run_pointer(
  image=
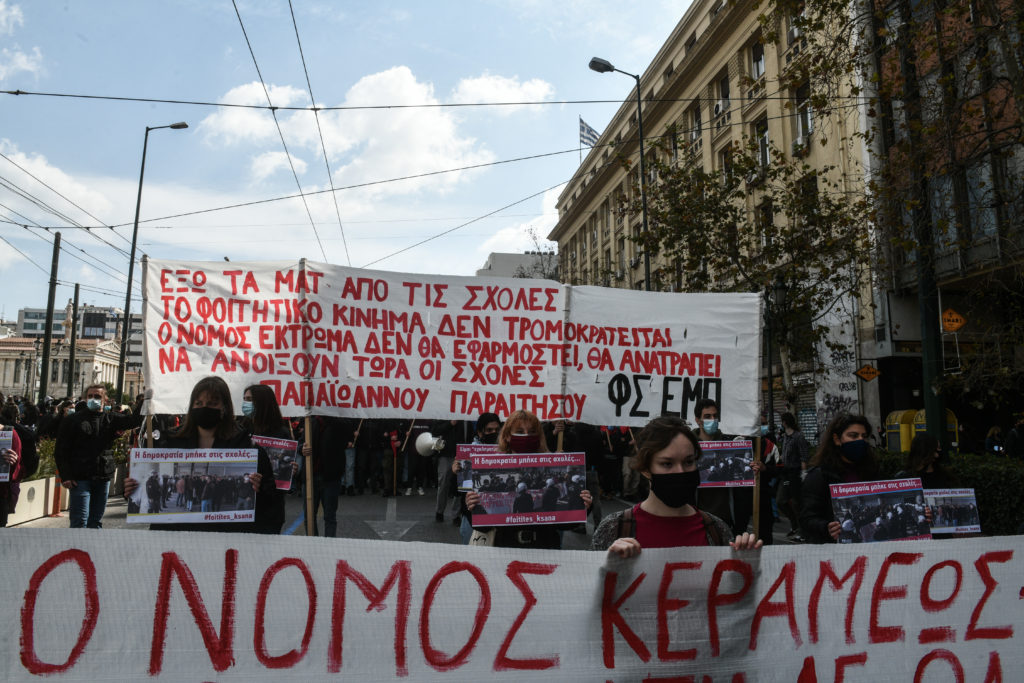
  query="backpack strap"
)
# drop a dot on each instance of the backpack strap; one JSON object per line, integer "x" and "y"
{"x": 711, "y": 529}
{"x": 627, "y": 524}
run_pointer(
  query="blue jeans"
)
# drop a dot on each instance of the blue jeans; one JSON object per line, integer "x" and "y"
{"x": 87, "y": 503}
{"x": 350, "y": 468}
{"x": 326, "y": 493}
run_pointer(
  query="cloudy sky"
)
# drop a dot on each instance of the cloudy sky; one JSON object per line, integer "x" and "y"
{"x": 422, "y": 172}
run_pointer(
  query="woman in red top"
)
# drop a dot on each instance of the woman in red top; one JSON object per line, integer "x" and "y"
{"x": 667, "y": 455}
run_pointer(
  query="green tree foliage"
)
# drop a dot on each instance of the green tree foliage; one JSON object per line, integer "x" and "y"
{"x": 763, "y": 222}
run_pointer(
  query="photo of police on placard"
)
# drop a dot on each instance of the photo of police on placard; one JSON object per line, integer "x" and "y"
{"x": 282, "y": 453}
{"x": 880, "y": 511}
{"x": 538, "y": 488}
{"x": 726, "y": 463}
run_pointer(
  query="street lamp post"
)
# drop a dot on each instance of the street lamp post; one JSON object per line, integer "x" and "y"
{"x": 604, "y": 66}
{"x": 131, "y": 257}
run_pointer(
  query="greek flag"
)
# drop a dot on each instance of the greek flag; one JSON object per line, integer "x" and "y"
{"x": 588, "y": 136}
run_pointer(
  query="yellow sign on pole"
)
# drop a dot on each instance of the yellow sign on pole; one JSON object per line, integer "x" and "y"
{"x": 868, "y": 372}
{"x": 952, "y": 321}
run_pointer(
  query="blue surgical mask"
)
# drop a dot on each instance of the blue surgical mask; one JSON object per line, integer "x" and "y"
{"x": 764, "y": 430}
{"x": 94, "y": 403}
{"x": 106, "y": 409}
{"x": 247, "y": 408}
{"x": 711, "y": 426}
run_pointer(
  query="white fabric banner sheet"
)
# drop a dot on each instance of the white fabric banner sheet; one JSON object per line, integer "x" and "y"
{"x": 123, "y": 605}
{"x": 362, "y": 343}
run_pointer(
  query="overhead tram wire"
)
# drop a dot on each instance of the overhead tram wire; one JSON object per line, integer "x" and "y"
{"x": 323, "y": 147}
{"x": 280, "y": 133}
{"x": 24, "y": 255}
{"x": 426, "y": 105}
{"x": 62, "y": 196}
{"x": 459, "y": 227}
{"x": 44, "y": 206}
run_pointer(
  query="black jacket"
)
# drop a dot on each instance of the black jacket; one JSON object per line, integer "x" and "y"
{"x": 83, "y": 436}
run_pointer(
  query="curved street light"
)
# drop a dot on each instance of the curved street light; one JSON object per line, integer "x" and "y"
{"x": 131, "y": 258}
{"x": 603, "y": 66}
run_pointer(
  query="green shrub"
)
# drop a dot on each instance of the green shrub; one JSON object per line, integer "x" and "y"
{"x": 48, "y": 468}
{"x": 998, "y": 486}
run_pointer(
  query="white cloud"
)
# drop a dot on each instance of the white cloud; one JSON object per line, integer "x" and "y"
{"x": 10, "y": 17}
{"x": 78, "y": 192}
{"x": 521, "y": 237}
{"x": 232, "y": 126}
{"x": 494, "y": 88}
{"x": 268, "y": 163}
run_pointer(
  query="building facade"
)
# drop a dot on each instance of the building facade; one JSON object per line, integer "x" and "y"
{"x": 96, "y": 361}
{"x": 716, "y": 83}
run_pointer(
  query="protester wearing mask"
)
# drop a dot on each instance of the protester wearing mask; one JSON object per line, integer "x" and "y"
{"x": 844, "y": 456}
{"x": 83, "y": 458}
{"x": 261, "y": 416}
{"x": 487, "y": 427}
{"x": 667, "y": 457}
{"x": 522, "y": 433}
{"x": 210, "y": 423}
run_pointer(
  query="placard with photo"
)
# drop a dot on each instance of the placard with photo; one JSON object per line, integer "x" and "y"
{"x": 880, "y": 511}
{"x": 464, "y": 453}
{"x": 726, "y": 463}
{"x": 954, "y": 511}
{"x": 282, "y": 454}
{"x": 196, "y": 485}
{"x": 6, "y": 444}
{"x": 529, "y": 488}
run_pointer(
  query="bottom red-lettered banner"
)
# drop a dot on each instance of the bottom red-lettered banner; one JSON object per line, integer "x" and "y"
{"x": 132, "y": 605}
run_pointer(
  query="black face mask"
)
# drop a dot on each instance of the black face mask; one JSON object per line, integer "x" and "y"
{"x": 206, "y": 417}
{"x": 489, "y": 438}
{"x": 855, "y": 451}
{"x": 676, "y": 489}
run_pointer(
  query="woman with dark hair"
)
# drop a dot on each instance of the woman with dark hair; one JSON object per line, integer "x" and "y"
{"x": 667, "y": 453}
{"x": 522, "y": 433}
{"x": 923, "y": 461}
{"x": 210, "y": 423}
{"x": 261, "y": 416}
{"x": 844, "y": 456}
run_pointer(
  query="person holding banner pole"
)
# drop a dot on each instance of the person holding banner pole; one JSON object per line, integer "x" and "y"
{"x": 522, "y": 434}
{"x": 261, "y": 416}
{"x": 667, "y": 456}
{"x": 210, "y": 423}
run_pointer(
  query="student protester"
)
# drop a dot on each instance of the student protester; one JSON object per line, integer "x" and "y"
{"x": 82, "y": 456}
{"x": 667, "y": 456}
{"x": 332, "y": 439}
{"x": 795, "y": 454}
{"x": 923, "y": 461}
{"x": 13, "y": 464}
{"x": 844, "y": 456}
{"x": 735, "y": 505}
{"x": 418, "y": 469}
{"x": 522, "y": 433}
{"x": 210, "y": 423}
{"x": 261, "y": 416}
{"x": 488, "y": 425}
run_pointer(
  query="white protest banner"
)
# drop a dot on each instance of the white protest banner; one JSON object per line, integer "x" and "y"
{"x": 954, "y": 511}
{"x": 174, "y": 606}
{"x": 214, "y": 483}
{"x": 361, "y": 343}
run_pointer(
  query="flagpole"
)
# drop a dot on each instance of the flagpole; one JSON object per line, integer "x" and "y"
{"x": 581, "y": 139}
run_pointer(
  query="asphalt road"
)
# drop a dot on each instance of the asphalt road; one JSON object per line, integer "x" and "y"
{"x": 403, "y": 518}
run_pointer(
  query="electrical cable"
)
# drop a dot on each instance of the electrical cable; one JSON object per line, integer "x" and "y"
{"x": 280, "y": 133}
{"x": 320, "y": 132}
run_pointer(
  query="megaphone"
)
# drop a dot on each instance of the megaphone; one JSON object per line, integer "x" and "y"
{"x": 428, "y": 444}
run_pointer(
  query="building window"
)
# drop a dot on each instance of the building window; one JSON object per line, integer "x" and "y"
{"x": 756, "y": 60}
{"x": 804, "y": 113}
{"x": 722, "y": 104}
{"x": 763, "y": 146}
{"x": 695, "y": 124}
